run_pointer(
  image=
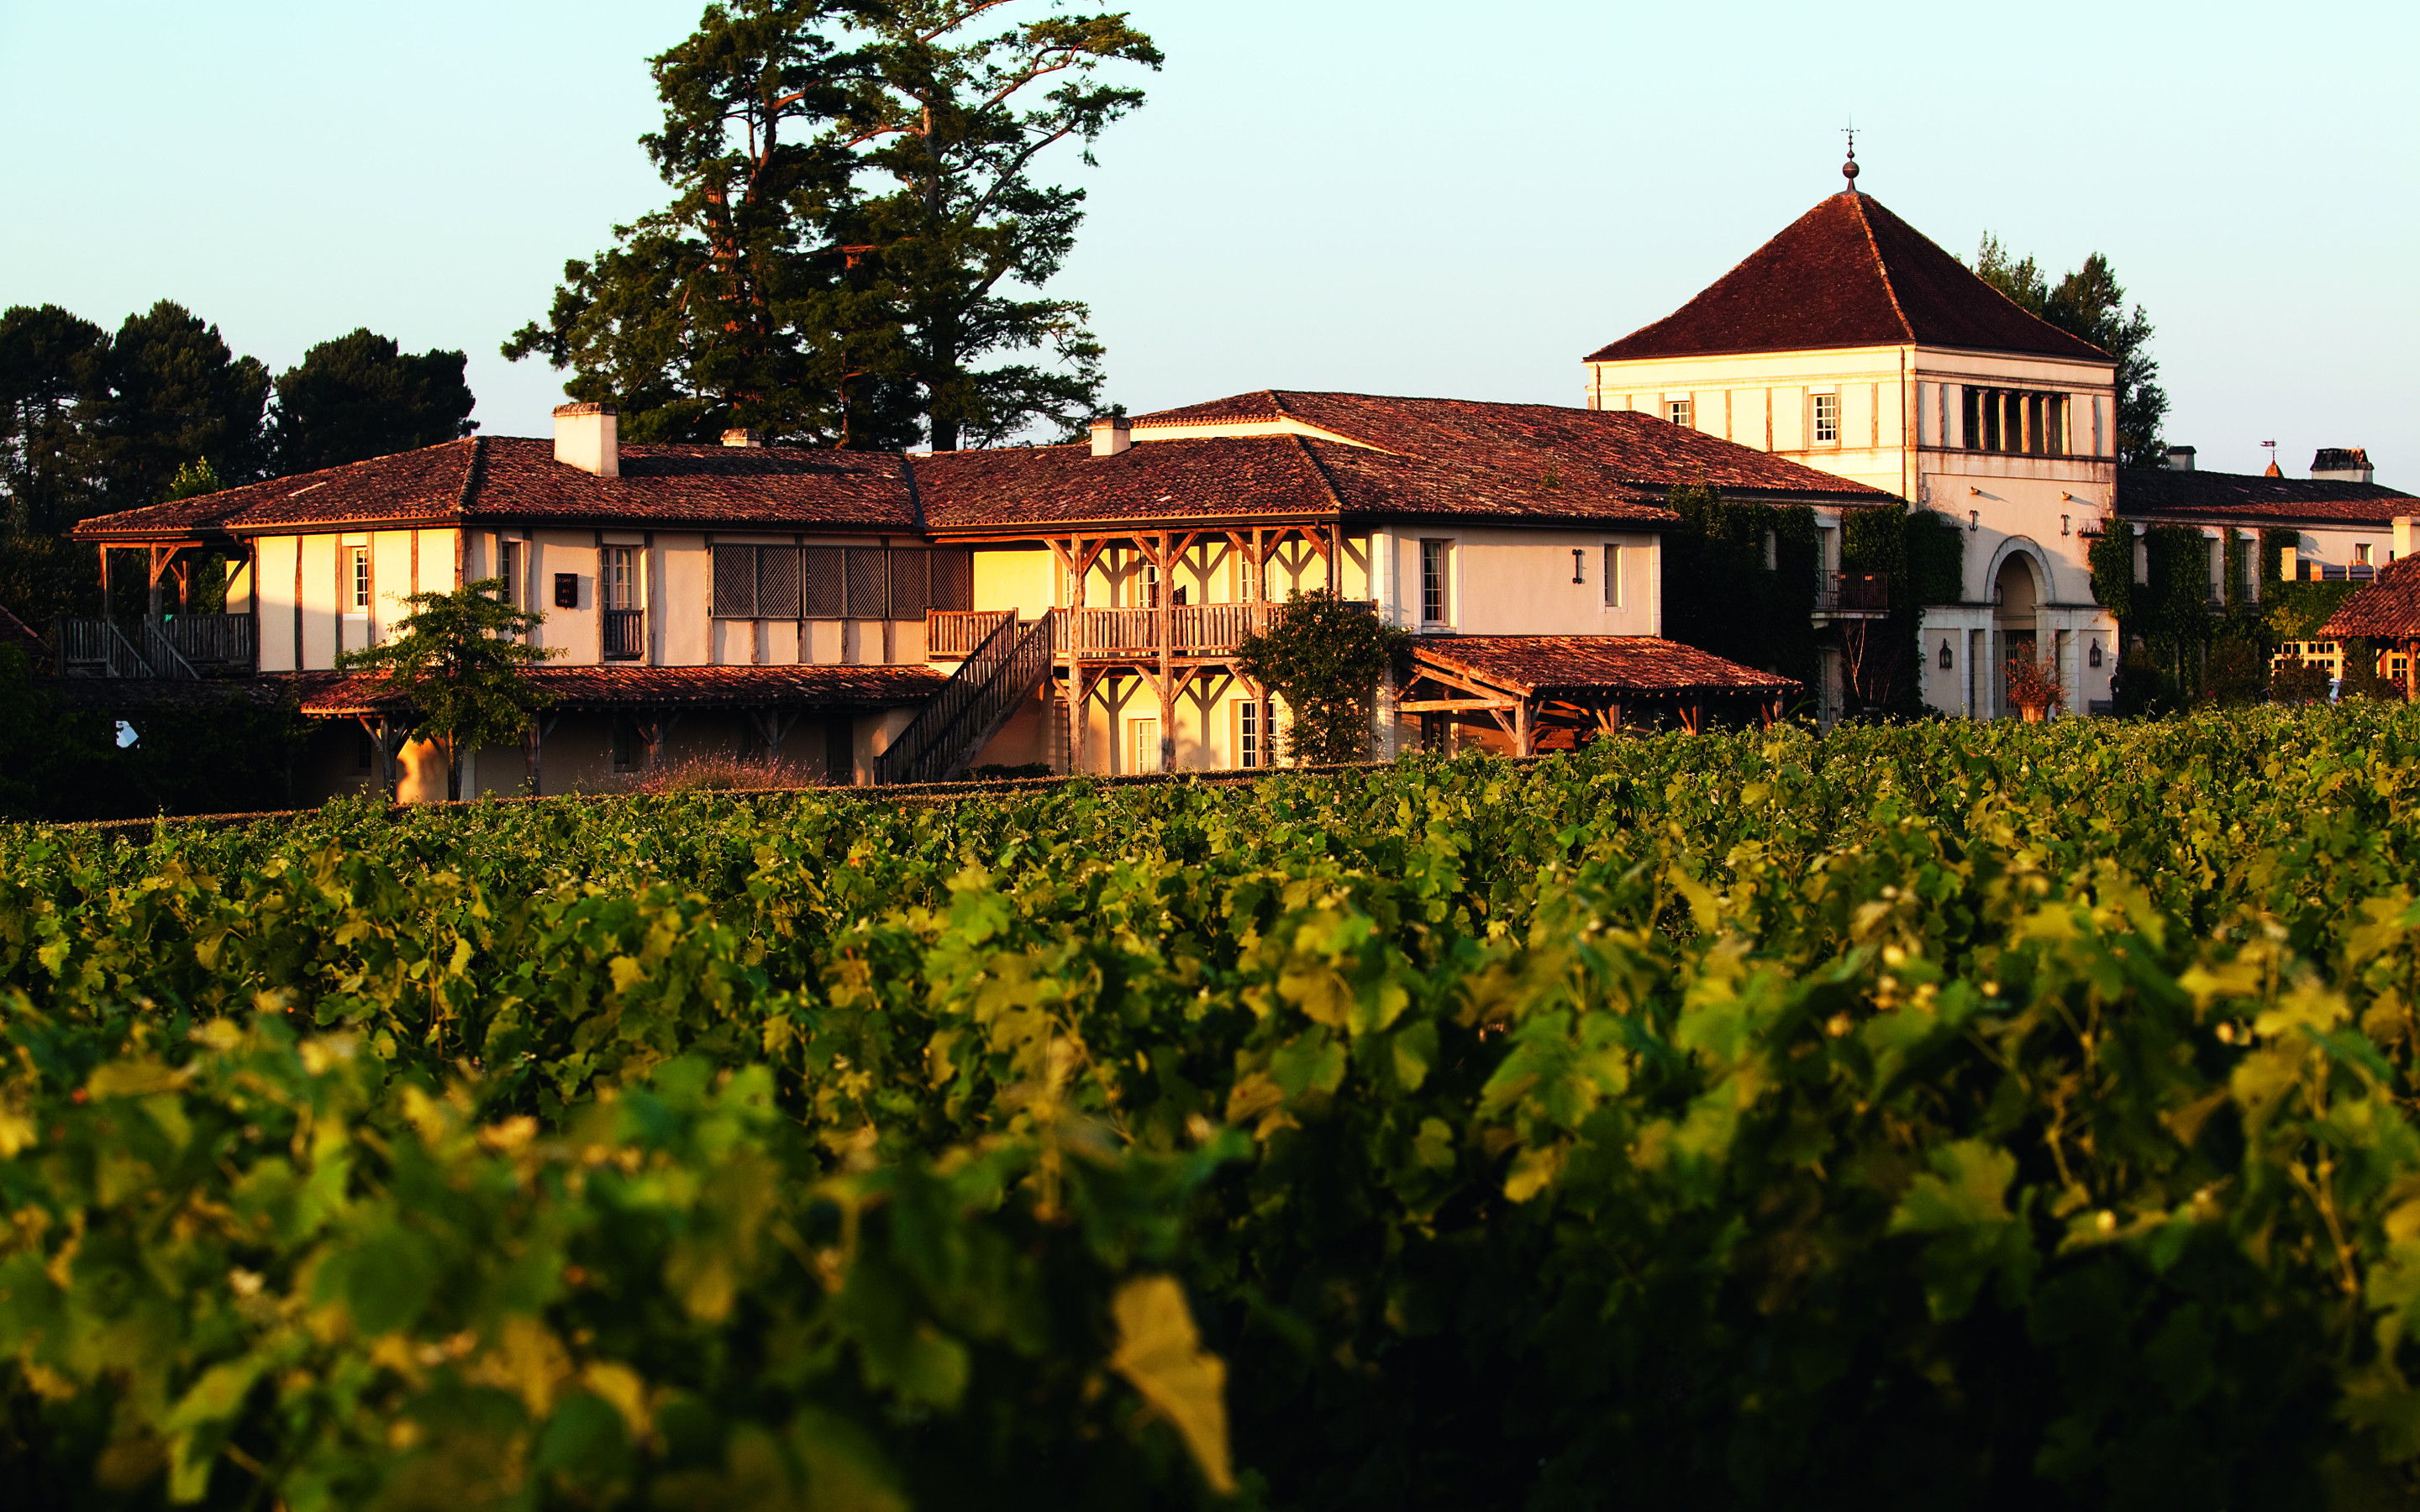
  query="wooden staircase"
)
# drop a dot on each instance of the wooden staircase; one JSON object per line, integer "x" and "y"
{"x": 957, "y": 721}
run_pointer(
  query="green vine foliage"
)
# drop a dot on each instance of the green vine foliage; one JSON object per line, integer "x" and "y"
{"x": 1739, "y": 581}
{"x": 1925, "y": 557}
{"x": 1947, "y": 1115}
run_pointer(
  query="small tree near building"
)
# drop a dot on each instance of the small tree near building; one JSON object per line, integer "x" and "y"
{"x": 460, "y": 667}
{"x": 1325, "y": 657}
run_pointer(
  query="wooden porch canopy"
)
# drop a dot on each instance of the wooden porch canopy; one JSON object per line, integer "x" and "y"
{"x": 1538, "y": 687}
{"x": 655, "y": 699}
{"x": 2387, "y": 610}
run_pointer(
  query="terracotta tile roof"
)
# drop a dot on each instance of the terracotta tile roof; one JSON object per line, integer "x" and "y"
{"x": 1223, "y": 478}
{"x": 330, "y": 694}
{"x": 2145, "y": 493}
{"x": 1586, "y": 665}
{"x": 1526, "y": 439}
{"x": 1418, "y": 458}
{"x": 2386, "y": 608}
{"x": 1847, "y": 273}
{"x": 1237, "y": 477}
{"x": 517, "y": 478}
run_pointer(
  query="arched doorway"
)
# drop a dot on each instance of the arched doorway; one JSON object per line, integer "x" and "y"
{"x": 2016, "y": 599}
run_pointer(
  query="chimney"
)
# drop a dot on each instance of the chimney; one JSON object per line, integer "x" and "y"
{"x": 2181, "y": 460}
{"x": 1111, "y": 435}
{"x": 2342, "y": 464}
{"x": 583, "y": 436}
{"x": 741, "y": 437}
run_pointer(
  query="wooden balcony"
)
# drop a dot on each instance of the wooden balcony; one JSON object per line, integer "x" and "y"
{"x": 1195, "y": 631}
{"x": 185, "y": 646}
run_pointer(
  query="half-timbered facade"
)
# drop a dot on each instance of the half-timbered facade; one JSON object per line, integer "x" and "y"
{"x": 885, "y": 618}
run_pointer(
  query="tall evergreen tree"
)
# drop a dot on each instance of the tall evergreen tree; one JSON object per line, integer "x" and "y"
{"x": 2090, "y": 303}
{"x": 786, "y": 289}
{"x": 360, "y": 397}
{"x": 52, "y": 368}
{"x": 177, "y": 394}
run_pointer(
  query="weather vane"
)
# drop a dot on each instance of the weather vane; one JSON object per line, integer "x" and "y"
{"x": 1849, "y": 169}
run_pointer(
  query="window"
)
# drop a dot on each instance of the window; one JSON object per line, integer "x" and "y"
{"x": 1142, "y": 744}
{"x": 1681, "y": 412}
{"x": 625, "y": 628}
{"x": 1433, "y": 584}
{"x": 1612, "y": 577}
{"x": 508, "y": 568}
{"x": 1579, "y": 559}
{"x": 1772, "y": 551}
{"x": 2015, "y": 421}
{"x": 1827, "y": 419}
{"x": 2361, "y": 553}
{"x": 357, "y": 578}
{"x": 365, "y": 752}
{"x": 756, "y": 582}
{"x": 1251, "y": 733}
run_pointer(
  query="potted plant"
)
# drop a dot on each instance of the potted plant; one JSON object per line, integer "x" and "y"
{"x": 2033, "y": 688}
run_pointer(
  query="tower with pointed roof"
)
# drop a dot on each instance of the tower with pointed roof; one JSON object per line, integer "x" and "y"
{"x": 1851, "y": 342}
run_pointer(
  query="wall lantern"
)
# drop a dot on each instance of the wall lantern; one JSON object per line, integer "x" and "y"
{"x": 2062, "y": 524}
{"x": 1974, "y": 520}
{"x": 2095, "y": 657}
{"x": 1575, "y": 566}
{"x": 1944, "y": 656}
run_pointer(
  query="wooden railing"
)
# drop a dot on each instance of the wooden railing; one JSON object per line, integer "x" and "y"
{"x": 212, "y": 642}
{"x": 625, "y": 634}
{"x": 956, "y": 632}
{"x": 1194, "y": 630}
{"x": 961, "y": 718}
{"x": 188, "y": 647}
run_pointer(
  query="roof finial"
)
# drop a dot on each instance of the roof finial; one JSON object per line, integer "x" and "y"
{"x": 1849, "y": 169}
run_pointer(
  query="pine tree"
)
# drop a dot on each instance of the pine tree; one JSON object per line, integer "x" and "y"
{"x": 779, "y": 291}
{"x": 360, "y": 397}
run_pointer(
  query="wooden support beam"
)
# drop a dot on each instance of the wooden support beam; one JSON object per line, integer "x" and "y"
{"x": 1456, "y": 705}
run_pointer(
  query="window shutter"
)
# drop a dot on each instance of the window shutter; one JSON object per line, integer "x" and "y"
{"x": 953, "y": 579}
{"x": 869, "y": 584}
{"x": 777, "y": 582}
{"x": 910, "y": 583}
{"x": 827, "y": 595}
{"x": 734, "y": 582}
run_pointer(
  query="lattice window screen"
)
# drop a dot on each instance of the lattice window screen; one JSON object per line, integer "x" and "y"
{"x": 826, "y": 582}
{"x": 734, "y": 582}
{"x": 869, "y": 583}
{"x": 911, "y": 584}
{"x": 953, "y": 579}
{"x": 777, "y": 582}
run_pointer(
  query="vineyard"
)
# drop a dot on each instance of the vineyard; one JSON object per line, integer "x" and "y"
{"x": 1949, "y": 1115}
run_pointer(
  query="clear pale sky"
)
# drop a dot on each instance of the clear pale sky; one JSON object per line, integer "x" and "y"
{"x": 1408, "y": 197}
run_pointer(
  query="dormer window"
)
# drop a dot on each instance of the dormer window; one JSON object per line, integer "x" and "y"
{"x": 1681, "y": 412}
